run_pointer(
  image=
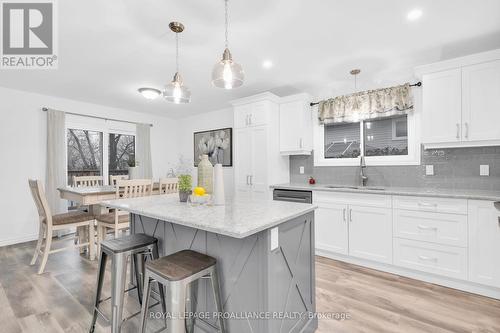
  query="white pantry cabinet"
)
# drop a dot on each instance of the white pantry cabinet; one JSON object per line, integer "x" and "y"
{"x": 257, "y": 160}
{"x": 460, "y": 104}
{"x": 296, "y": 125}
{"x": 484, "y": 243}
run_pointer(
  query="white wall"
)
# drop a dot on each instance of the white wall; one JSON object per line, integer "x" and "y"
{"x": 23, "y": 151}
{"x": 202, "y": 122}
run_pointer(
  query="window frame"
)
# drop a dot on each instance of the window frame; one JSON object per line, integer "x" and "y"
{"x": 105, "y": 127}
{"x": 414, "y": 146}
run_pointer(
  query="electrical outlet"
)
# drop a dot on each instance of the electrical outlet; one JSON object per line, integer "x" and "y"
{"x": 429, "y": 170}
{"x": 301, "y": 170}
{"x": 275, "y": 242}
{"x": 484, "y": 170}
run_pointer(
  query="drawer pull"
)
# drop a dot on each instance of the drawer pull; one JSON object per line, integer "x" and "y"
{"x": 343, "y": 214}
{"x": 426, "y": 227}
{"x": 427, "y": 258}
{"x": 427, "y": 204}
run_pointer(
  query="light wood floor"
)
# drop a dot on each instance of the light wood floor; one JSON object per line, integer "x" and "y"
{"x": 60, "y": 300}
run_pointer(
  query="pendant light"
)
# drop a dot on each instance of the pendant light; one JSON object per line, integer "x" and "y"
{"x": 227, "y": 74}
{"x": 176, "y": 91}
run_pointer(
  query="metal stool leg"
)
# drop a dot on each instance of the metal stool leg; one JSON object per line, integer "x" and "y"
{"x": 145, "y": 302}
{"x": 161, "y": 288}
{"x": 217, "y": 297}
{"x": 138, "y": 263}
{"x": 191, "y": 294}
{"x": 119, "y": 273}
{"x": 176, "y": 304}
{"x": 100, "y": 280}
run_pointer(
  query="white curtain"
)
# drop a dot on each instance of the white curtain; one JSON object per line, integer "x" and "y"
{"x": 143, "y": 151}
{"x": 56, "y": 160}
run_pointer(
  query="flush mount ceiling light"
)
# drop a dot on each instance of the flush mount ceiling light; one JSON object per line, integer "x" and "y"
{"x": 227, "y": 74}
{"x": 149, "y": 93}
{"x": 267, "y": 64}
{"x": 176, "y": 91}
{"x": 414, "y": 14}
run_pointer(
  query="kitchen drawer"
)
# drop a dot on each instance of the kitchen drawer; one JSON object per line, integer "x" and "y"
{"x": 440, "y": 228}
{"x": 444, "y": 260}
{"x": 362, "y": 199}
{"x": 431, "y": 204}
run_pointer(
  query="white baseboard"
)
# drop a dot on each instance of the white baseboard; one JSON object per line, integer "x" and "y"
{"x": 17, "y": 240}
{"x": 467, "y": 286}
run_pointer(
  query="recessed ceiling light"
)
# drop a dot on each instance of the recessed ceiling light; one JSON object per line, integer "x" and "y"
{"x": 414, "y": 14}
{"x": 267, "y": 64}
{"x": 149, "y": 93}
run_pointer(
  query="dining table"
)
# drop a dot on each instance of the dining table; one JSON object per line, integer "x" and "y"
{"x": 92, "y": 196}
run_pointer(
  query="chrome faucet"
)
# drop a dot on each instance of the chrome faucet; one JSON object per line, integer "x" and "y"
{"x": 362, "y": 167}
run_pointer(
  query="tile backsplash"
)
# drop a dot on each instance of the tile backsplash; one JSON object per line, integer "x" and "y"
{"x": 456, "y": 168}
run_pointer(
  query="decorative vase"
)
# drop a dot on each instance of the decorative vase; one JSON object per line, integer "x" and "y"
{"x": 133, "y": 172}
{"x": 206, "y": 174}
{"x": 184, "y": 195}
{"x": 219, "y": 196}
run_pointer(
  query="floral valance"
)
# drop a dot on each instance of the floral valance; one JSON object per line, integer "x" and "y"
{"x": 380, "y": 103}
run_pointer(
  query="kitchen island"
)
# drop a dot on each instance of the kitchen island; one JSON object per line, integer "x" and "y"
{"x": 264, "y": 251}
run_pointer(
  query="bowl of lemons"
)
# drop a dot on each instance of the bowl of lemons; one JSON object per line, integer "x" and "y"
{"x": 199, "y": 196}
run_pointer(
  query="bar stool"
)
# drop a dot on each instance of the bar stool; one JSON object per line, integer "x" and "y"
{"x": 140, "y": 247}
{"x": 176, "y": 272}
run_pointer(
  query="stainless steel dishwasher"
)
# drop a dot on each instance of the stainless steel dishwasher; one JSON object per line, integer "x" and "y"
{"x": 292, "y": 195}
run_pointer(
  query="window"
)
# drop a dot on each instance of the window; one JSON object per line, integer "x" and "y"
{"x": 342, "y": 140}
{"x": 386, "y": 137}
{"x": 84, "y": 153}
{"x": 121, "y": 152}
{"x": 387, "y": 141}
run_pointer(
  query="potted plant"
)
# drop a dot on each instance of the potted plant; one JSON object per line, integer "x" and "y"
{"x": 133, "y": 168}
{"x": 185, "y": 187}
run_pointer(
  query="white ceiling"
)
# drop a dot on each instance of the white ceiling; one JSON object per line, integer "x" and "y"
{"x": 108, "y": 49}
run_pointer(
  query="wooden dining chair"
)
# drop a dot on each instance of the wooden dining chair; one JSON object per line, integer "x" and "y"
{"x": 119, "y": 220}
{"x": 49, "y": 223}
{"x": 81, "y": 181}
{"x": 169, "y": 185}
{"x": 113, "y": 179}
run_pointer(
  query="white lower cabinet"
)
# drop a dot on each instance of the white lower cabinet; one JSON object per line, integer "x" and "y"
{"x": 444, "y": 260}
{"x": 370, "y": 233}
{"x": 453, "y": 242}
{"x": 332, "y": 228}
{"x": 484, "y": 243}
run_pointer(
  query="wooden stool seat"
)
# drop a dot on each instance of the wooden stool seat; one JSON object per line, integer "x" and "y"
{"x": 110, "y": 218}
{"x": 70, "y": 218}
{"x": 180, "y": 265}
{"x": 128, "y": 243}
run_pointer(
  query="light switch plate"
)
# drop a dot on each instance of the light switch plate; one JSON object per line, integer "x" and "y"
{"x": 301, "y": 170}
{"x": 484, "y": 170}
{"x": 275, "y": 242}
{"x": 429, "y": 170}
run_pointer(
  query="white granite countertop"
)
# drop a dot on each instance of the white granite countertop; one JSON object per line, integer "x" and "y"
{"x": 239, "y": 218}
{"x": 409, "y": 191}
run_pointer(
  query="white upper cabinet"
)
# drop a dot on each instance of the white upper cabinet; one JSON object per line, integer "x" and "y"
{"x": 295, "y": 125}
{"x": 460, "y": 101}
{"x": 442, "y": 99}
{"x": 481, "y": 101}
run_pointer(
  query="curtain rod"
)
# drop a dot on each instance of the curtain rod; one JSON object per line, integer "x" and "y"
{"x": 97, "y": 117}
{"x": 418, "y": 84}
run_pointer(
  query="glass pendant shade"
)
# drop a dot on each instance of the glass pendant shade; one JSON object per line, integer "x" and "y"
{"x": 176, "y": 92}
{"x": 227, "y": 74}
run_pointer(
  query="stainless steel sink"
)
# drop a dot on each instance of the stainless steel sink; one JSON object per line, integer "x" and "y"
{"x": 370, "y": 188}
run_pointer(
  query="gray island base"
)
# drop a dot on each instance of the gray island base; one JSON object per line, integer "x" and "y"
{"x": 264, "y": 290}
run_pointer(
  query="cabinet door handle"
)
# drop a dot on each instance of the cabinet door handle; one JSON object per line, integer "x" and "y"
{"x": 248, "y": 180}
{"x": 300, "y": 143}
{"x": 458, "y": 131}
{"x": 250, "y": 117}
{"x": 251, "y": 180}
{"x": 427, "y": 258}
{"x": 343, "y": 214}
{"x": 427, "y": 204}
{"x": 350, "y": 215}
{"x": 426, "y": 227}
{"x": 466, "y": 130}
